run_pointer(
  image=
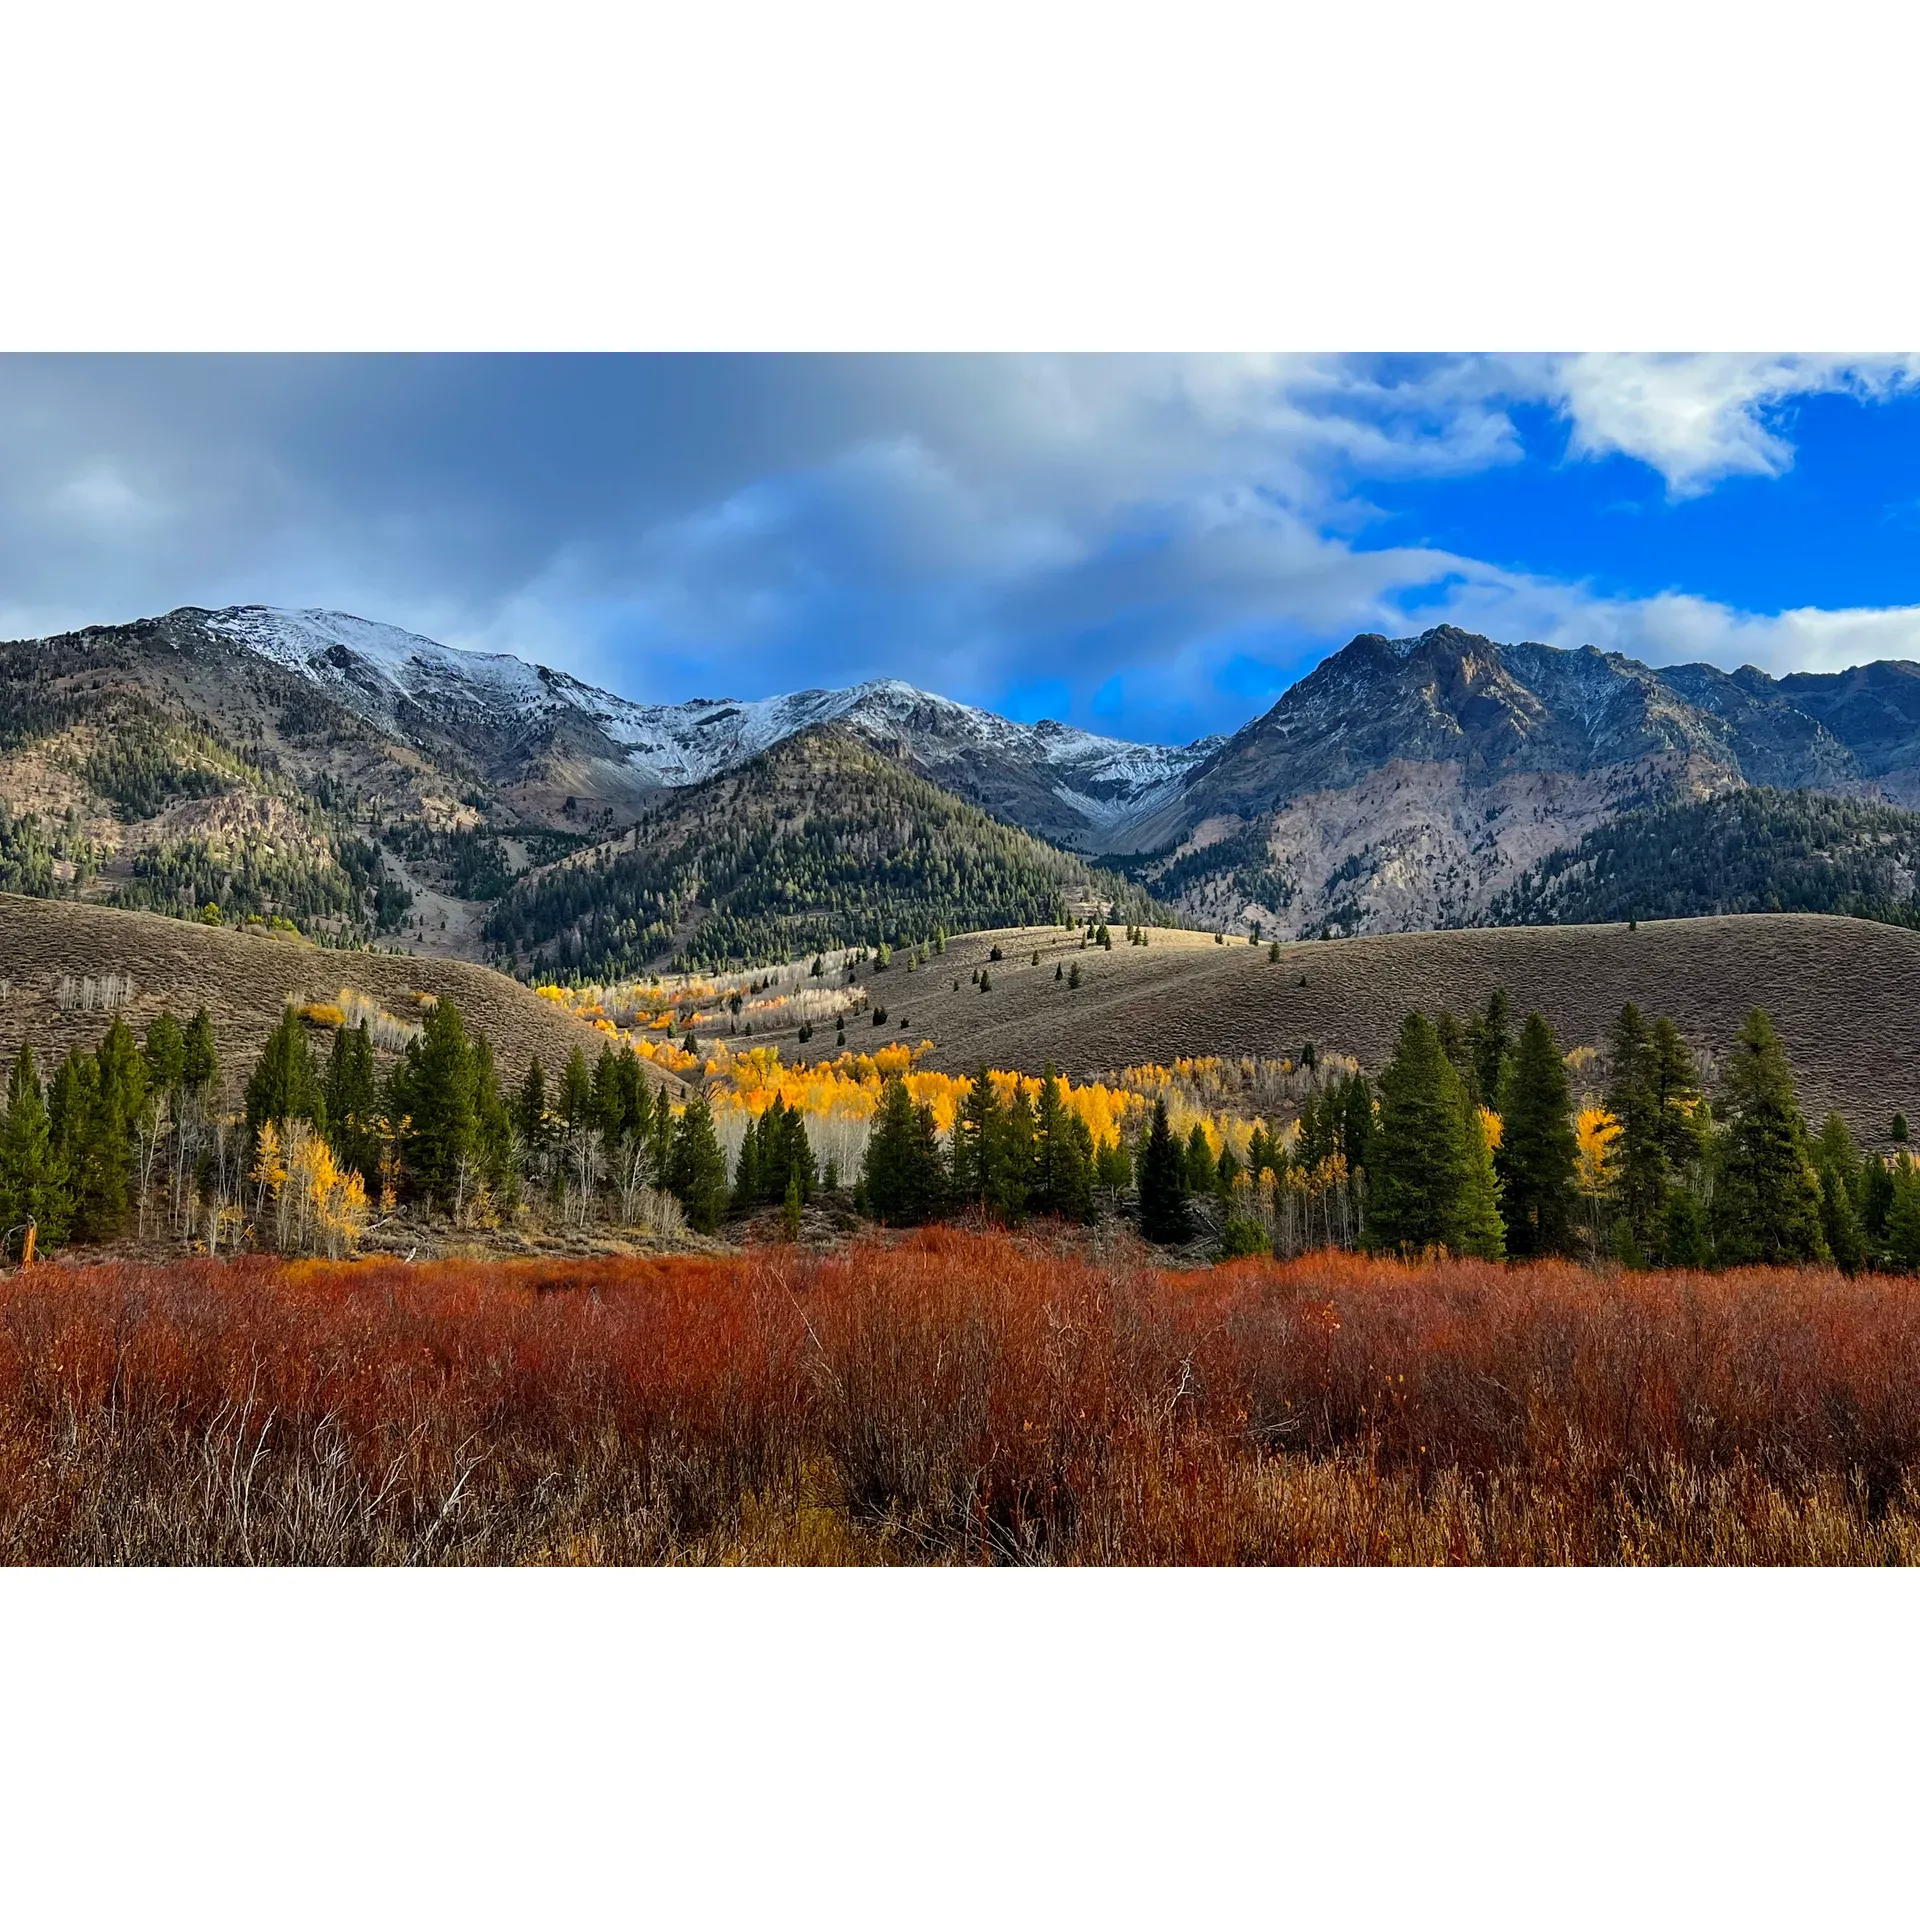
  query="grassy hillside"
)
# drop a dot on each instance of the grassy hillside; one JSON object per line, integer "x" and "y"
{"x": 819, "y": 842}
{"x": 243, "y": 979}
{"x": 1839, "y": 990}
{"x": 1757, "y": 851}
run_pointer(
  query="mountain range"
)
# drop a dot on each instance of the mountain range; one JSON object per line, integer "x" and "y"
{"x": 309, "y": 760}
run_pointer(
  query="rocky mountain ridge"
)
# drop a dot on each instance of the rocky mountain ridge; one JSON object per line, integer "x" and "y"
{"x": 1402, "y": 783}
{"x": 542, "y": 732}
{"x": 1408, "y": 783}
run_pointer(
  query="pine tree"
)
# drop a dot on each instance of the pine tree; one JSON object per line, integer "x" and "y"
{"x": 493, "y": 1128}
{"x": 1489, "y": 1038}
{"x": 1010, "y": 1160}
{"x": 1875, "y": 1198}
{"x": 746, "y": 1169}
{"x": 697, "y": 1173}
{"x": 1766, "y": 1202}
{"x": 199, "y": 1060}
{"x": 929, "y": 1169}
{"x": 630, "y": 1091}
{"x": 282, "y": 1085}
{"x": 665, "y": 1132}
{"x": 1477, "y": 1230}
{"x": 1356, "y": 1121}
{"x": 1837, "y": 1161}
{"x": 166, "y": 1054}
{"x": 1201, "y": 1170}
{"x": 1903, "y": 1216}
{"x": 606, "y": 1108}
{"x": 1680, "y": 1239}
{"x": 1063, "y": 1156}
{"x": 1419, "y": 1150}
{"x": 530, "y": 1105}
{"x": 31, "y": 1189}
{"x": 104, "y": 1171}
{"x": 433, "y": 1089}
{"x": 1684, "y": 1123}
{"x": 974, "y": 1130}
{"x": 352, "y": 1102}
{"x": 1164, "y": 1216}
{"x": 802, "y": 1168}
{"x": 1641, "y": 1175}
{"x": 91, "y": 1145}
{"x": 576, "y": 1092}
{"x": 1538, "y": 1154}
{"x": 902, "y": 1173}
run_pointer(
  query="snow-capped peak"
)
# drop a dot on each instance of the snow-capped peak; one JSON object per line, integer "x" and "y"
{"x": 398, "y": 681}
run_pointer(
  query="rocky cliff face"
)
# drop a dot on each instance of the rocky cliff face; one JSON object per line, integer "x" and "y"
{"x": 1406, "y": 783}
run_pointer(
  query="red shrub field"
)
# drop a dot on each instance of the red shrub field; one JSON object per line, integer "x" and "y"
{"x": 954, "y": 1397}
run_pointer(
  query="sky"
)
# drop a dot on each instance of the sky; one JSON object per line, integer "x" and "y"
{"x": 1150, "y": 547}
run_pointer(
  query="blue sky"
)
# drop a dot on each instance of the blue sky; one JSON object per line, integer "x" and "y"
{"x": 1154, "y": 547}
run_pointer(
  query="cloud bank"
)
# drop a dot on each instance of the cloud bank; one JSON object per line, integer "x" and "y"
{"x": 1153, "y": 545}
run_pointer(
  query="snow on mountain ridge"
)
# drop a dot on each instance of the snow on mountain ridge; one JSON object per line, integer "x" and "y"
{"x": 379, "y": 670}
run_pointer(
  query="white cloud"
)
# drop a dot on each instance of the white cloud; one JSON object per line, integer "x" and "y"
{"x": 1669, "y": 629}
{"x": 102, "y": 497}
{"x": 1698, "y": 417}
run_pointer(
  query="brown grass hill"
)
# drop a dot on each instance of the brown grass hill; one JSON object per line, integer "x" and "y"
{"x": 821, "y": 841}
{"x": 1408, "y": 783}
{"x": 1841, "y": 992}
{"x": 244, "y": 978}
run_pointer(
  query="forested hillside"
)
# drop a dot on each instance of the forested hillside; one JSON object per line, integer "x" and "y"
{"x": 820, "y": 842}
{"x": 1755, "y": 851}
{"x": 121, "y": 783}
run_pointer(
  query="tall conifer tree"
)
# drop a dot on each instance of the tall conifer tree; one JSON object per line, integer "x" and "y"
{"x": 1418, "y": 1158}
{"x": 1766, "y": 1199}
{"x": 1477, "y": 1228}
{"x": 31, "y": 1189}
{"x": 1538, "y": 1153}
{"x": 433, "y": 1089}
{"x": 282, "y": 1085}
{"x": 697, "y": 1172}
{"x": 1164, "y": 1217}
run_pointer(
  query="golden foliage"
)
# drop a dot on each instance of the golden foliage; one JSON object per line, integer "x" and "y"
{"x": 1595, "y": 1131}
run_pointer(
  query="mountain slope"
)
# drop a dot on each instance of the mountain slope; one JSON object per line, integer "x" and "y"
{"x": 140, "y": 772}
{"x": 541, "y": 734}
{"x": 365, "y": 781}
{"x": 1409, "y": 783}
{"x": 1759, "y": 850}
{"x": 817, "y": 842}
